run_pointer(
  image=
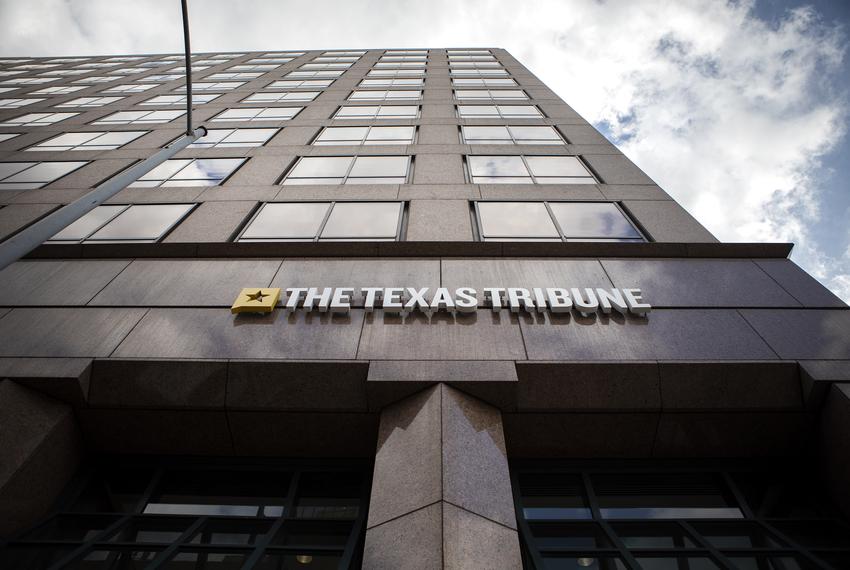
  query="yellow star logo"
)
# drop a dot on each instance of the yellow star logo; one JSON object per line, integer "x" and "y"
{"x": 256, "y": 300}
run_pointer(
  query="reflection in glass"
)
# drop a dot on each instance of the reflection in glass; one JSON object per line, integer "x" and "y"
{"x": 286, "y": 221}
{"x": 363, "y": 220}
{"x": 593, "y": 220}
{"x": 142, "y": 222}
{"x": 515, "y": 219}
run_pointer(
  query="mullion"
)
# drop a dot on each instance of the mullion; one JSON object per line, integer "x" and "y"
{"x": 596, "y": 514}
{"x": 163, "y": 556}
{"x": 88, "y": 544}
{"x": 801, "y": 550}
{"x": 527, "y": 167}
{"x": 715, "y": 553}
{"x": 288, "y": 512}
{"x": 555, "y": 220}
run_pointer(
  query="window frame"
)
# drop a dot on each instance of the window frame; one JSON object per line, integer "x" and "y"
{"x": 513, "y": 140}
{"x": 344, "y": 178}
{"x": 138, "y": 121}
{"x": 400, "y": 227}
{"x": 215, "y": 118}
{"x": 162, "y": 236}
{"x": 36, "y": 163}
{"x": 376, "y": 116}
{"x": 562, "y": 238}
{"x": 499, "y": 115}
{"x": 160, "y": 183}
{"x": 81, "y": 147}
{"x": 232, "y": 130}
{"x": 365, "y": 136}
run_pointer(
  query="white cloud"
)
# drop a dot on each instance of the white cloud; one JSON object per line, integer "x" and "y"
{"x": 727, "y": 113}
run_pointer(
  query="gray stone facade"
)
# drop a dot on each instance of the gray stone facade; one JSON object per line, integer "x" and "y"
{"x": 130, "y": 348}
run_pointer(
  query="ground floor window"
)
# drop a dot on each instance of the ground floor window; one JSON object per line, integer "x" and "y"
{"x": 615, "y": 517}
{"x": 177, "y": 514}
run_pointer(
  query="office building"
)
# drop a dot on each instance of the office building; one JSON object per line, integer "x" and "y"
{"x": 399, "y": 308}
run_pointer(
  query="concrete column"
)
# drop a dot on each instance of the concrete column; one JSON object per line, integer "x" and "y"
{"x": 835, "y": 444}
{"x": 441, "y": 493}
{"x": 39, "y": 452}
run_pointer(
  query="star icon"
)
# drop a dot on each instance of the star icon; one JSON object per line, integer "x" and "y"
{"x": 256, "y": 300}
{"x": 258, "y": 296}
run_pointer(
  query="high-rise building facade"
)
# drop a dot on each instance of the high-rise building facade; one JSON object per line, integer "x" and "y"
{"x": 397, "y": 309}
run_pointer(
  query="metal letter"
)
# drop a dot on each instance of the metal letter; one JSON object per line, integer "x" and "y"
{"x": 494, "y": 294}
{"x": 341, "y": 301}
{"x": 517, "y": 296}
{"x": 612, "y": 298}
{"x": 369, "y": 303}
{"x": 636, "y": 306}
{"x": 559, "y": 300}
{"x": 585, "y": 307}
{"x": 467, "y": 300}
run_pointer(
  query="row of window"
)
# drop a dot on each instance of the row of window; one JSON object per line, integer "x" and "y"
{"x": 344, "y": 112}
{"x": 362, "y": 169}
{"x": 225, "y": 85}
{"x": 371, "y": 135}
{"x": 248, "y": 72}
{"x": 275, "y": 97}
{"x": 361, "y": 221}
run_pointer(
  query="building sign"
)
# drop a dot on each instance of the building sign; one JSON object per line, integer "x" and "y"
{"x": 403, "y": 300}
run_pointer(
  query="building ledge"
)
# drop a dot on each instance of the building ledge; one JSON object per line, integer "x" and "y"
{"x": 414, "y": 249}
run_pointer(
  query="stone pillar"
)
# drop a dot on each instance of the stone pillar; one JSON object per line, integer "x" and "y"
{"x": 39, "y": 452}
{"x": 441, "y": 492}
{"x": 835, "y": 444}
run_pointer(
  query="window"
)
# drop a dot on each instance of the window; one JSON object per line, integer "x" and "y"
{"x": 138, "y": 117}
{"x": 182, "y": 69}
{"x": 472, "y": 72}
{"x": 328, "y": 73}
{"x": 7, "y": 136}
{"x": 257, "y": 114}
{"x": 8, "y": 73}
{"x": 278, "y": 60}
{"x": 234, "y": 138}
{"x": 37, "y": 119}
{"x": 489, "y": 82}
{"x": 675, "y": 518}
{"x": 364, "y": 95}
{"x": 88, "y": 141}
{"x": 99, "y": 65}
{"x": 365, "y": 135}
{"x": 217, "y": 86}
{"x": 5, "y": 61}
{"x": 68, "y": 59}
{"x": 255, "y": 67}
{"x": 125, "y": 58}
{"x": 457, "y": 58}
{"x": 349, "y": 170}
{"x": 213, "y": 514}
{"x": 390, "y": 58}
{"x": 404, "y": 52}
{"x": 29, "y": 66}
{"x": 377, "y": 112}
{"x": 15, "y": 103}
{"x": 454, "y": 52}
{"x": 232, "y": 76}
{"x": 528, "y": 170}
{"x": 326, "y": 221}
{"x": 63, "y": 72}
{"x": 292, "y": 54}
{"x": 197, "y": 98}
{"x": 189, "y": 172}
{"x": 307, "y": 84}
{"x": 474, "y": 64}
{"x": 498, "y": 112}
{"x": 130, "y": 88}
{"x": 554, "y": 221}
{"x": 330, "y": 65}
{"x": 511, "y": 135}
{"x": 337, "y": 53}
{"x": 29, "y": 175}
{"x": 95, "y": 79}
{"x": 281, "y": 97}
{"x": 206, "y": 62}
{"x": 125, "y": 71}
{"x": 157, "y": 63}
{"x": 490, "y": 94}
{"x": 139, "y": 223}
{"x": 343, "y": 59}
{"x": 397, "y": 64}
{"x": 396, "y": 73}
{"x": 89, "y": 102}
{"x": 226, "y": 55}
{"x": 163, "y": 77}
{"x": 28, "y": 80}
{"x": 391, "y": 82}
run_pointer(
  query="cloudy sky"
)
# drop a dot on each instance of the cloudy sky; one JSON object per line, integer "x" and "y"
{"x": 739, "y": 109}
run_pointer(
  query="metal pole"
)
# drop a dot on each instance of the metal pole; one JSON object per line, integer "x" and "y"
{"x": 27, "y": 240}
{"x": 188, "y": 51}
